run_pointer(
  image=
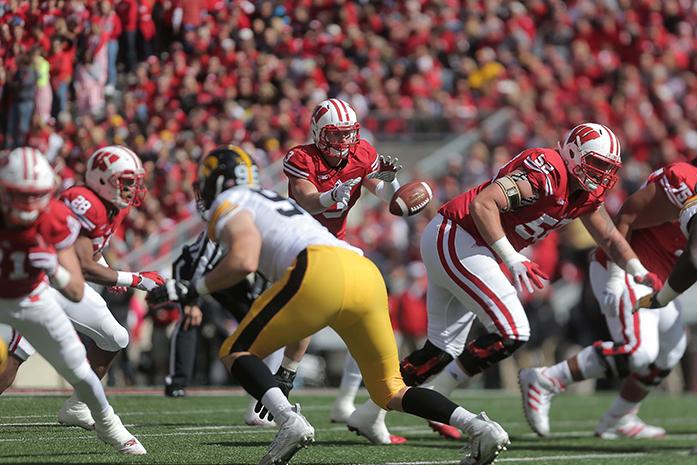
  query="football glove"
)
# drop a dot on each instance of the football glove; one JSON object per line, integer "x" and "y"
{"x": 43, "y": 257}
{"x": 284, "y": 380}
{"x": 649, "y": 279}
{"x": 117, "y": 289}
{"x": 341, "y": 193}
{"x": 181, "y": 292}
{"x": 526, "y": 272}
{"x": 147, "y": 280}
{"x": 388, "y": 169}
{"x": 614, "y": 288}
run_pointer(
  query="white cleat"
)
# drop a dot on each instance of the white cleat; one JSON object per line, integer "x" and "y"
{"x": 341, "y": 410}
{"x": 486, "y": 441}
{"x": 368, "y": 421}
{"x": 296, "y": 433}
{"x": 117, "y": 436}
{"x": 537, "y": 391}
{"x": 629, "y": 426}
{"x": 252, "y": 418}
{"x": 76, "y": 413}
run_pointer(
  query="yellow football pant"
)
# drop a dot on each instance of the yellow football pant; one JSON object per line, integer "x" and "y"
{"x": 327, "y": 286}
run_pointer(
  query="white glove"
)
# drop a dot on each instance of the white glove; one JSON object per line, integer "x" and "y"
{"x": 524, "y": 271}
{"x": 387, "y": 170}
{"x": 614, "y": 288}
{"x": 44, "y": 258}
{"x": 341, "y": 193}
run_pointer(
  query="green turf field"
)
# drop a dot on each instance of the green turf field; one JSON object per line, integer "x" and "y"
{"x": 208, "y": 429}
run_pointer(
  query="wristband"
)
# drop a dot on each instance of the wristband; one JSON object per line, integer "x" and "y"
{"x": 124, "y": 278}
{"x": 666, "y": 295}
{"x": 505, "y": 250}
{"x": 385, "y": 190}
{"x": 201, "y": 287}
{"x": 635, "y": 268}
{"x": 290, "y": 364}
{"x": 326, "y": 200}
{"x": 60, "y": 278}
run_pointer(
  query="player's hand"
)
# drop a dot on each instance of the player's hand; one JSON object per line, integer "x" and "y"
{"x": 284, "y": 379}
{"x": 612, "y": 294}
{"x": 647, "y": 301}
{"x": 174, "y": 291}
{"x": 649, "y": 279}
{"x": 117, "y": 289}
{"x": 147, "y": 280}
{"x": 526, "y": 273}
{"x": 43, "y": 257}
{"x": 342, "y": 192}
{"x": 388, "y": 169}
{"x": 192, "y": 316}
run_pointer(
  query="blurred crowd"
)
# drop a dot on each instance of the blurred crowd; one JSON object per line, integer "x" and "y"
{"x": 172, "y": 79}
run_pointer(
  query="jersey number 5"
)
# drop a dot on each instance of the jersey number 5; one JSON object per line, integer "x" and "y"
{"x": 538, "y": 228}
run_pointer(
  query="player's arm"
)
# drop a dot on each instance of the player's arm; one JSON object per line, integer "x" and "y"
{"x": 99, "y": 272}
{"x": 602, "y": 228}
{"x": 647, "y": 207}
{"x": 74, "y": 287}
{"x": 314, "y": 201}
{"x": 504, "y": 194}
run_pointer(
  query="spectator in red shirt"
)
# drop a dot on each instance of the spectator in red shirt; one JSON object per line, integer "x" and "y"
{"x": 127, "y": 11}
{"x": 61, "y": 61}
{"x": 409, "y": 314}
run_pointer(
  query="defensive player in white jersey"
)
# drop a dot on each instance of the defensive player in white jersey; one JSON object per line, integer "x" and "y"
{"x": 113, "y": 183}
{"x": 38, "y": 262}
{"x": 318, "y": 281}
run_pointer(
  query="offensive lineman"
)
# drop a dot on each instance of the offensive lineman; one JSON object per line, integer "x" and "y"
{"x": 319, "y": 281}
{"x": 37, "y": 235}
{"x": 539, "y": 190}
{"x": 646, "y": 345}
{"x": 114, "y": 183}
{"x": 325, "y": 178}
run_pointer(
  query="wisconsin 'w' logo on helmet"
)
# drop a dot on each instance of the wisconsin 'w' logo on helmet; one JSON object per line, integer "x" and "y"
{"x": 221, "y": 169}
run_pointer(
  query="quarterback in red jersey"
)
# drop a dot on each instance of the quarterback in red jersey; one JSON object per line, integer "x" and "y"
{"x": 538, "y": 191}
{"x": 325, "y": 178}
{"x": 37, "y": 235}
{"x": 646, "y": 345}
{"x": 113, "y": 179}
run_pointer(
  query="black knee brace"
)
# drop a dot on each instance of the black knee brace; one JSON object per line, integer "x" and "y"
{"x": 616, "y": 364}
{"x": 486, "y": 351}
{"x": 421, "y": 364}
{"x": 654, "y": 378}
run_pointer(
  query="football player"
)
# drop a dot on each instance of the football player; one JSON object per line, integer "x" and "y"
{"x": 318, "y": 281}
{"x": 646, "y": 345}
{"x": 37, "y": 235}
{"x": 538, "y": 191}
{"x": 325, "y": 178}
{"x": 114, "y": 183}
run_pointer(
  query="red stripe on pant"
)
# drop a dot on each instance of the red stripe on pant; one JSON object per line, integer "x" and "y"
{"x": 14, "y": 341}
{"x": 441, "y": 255}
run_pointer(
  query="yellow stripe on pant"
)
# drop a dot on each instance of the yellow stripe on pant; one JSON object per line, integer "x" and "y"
{"x": 327, "y": 286}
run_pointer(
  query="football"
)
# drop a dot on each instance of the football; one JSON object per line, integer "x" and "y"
{"x": 410, "y": 199}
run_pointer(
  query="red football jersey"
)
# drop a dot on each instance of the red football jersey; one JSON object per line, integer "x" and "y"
{"x": 548, "y": 175}
{"x": 97, "y": 221}
{"x": 306, "y": 162}
{"x": 658, "y": 247}
{"x": 56, "y": 226}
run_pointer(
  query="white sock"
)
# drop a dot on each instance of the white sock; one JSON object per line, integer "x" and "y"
{"x": 460, "y": 418}
{"x": 90, "y": 391}
{"x": 590, "y": 364}
{"x": 560, "y": 372}
{"x": 449, "y": 379}
{"x": 621, "y": 407}
{"x": 277, "y": 403}
{"x": 350, "y": 381}
{"x": 273, "y": 361}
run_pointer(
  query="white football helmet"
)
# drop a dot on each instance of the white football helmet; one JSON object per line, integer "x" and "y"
{"x": 27, "y": 183}
{"x": 592, "y": 155}
{"x": 335, "y": 128}
{"x": 116, "y": 174}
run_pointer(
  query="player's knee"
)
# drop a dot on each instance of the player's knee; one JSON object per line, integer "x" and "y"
{"x": 652, "y": 376}
{"x": 615, "y": 358}
{"x": 116, "y": 339}
{"x": 488, "y": 350}
{"x": 387, "y": 394}
{"x": 421, "y": 364}
{"x": 643, "y": 356}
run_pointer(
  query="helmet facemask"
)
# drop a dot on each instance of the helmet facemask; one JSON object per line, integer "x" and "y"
{"x": 21, "y": 206}
{"x": 129, "y": 189}
{"x": 339, "y": 141}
